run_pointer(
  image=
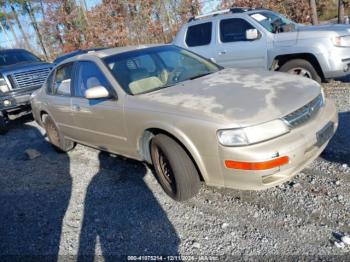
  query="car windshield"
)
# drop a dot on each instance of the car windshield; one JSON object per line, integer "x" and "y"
{"x": 274, "y": 22}
{"x": 146, "y": 70}
{"x": 12, "y": 57}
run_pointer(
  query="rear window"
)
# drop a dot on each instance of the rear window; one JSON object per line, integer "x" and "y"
{"x": 12, "y": 57}
{"x": 199, "y": 35}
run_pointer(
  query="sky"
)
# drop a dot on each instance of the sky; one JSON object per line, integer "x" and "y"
{"x": 207, "y": 6}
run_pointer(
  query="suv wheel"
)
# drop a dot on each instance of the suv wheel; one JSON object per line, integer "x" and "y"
{"x": 175, "y": 170}
{"x": 3, "y": 124}
{"x": 301, "y": 67}
{"x": 58, "y": 141}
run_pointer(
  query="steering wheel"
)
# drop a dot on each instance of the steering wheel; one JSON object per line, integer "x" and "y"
{"x": 176, "y": 75}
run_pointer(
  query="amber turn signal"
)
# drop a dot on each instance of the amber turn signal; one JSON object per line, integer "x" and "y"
{"x": 257, "y": 165}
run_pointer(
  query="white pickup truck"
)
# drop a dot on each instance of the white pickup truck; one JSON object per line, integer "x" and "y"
{"x": 261, "y": 38}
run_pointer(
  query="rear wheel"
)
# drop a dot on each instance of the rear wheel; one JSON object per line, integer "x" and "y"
{"x": 174, "y": 168}
{"x": 60, "y": 143}
{"x": 3, "y": 124}
{"x": 302, "y": 68}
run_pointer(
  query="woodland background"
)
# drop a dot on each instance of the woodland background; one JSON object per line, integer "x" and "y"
{"x": 52, "y": 27}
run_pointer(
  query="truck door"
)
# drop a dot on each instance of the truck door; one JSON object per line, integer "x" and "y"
{"x": 200, "y": 39}
{"x": 235, "y": 50}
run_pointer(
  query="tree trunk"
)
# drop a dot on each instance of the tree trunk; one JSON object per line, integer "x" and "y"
{"x": 35, "y": 26}
{"x": 340, "y": 12}
{"x": 25, "y": 38}
{"x": 59, "y": 37}
{"x": 6, "y": 34}
{"x": 314, "y": 12}
{"x": 10, "y": 26}
{"x": 83, "y": 7}
{"x": 167, "y": 19}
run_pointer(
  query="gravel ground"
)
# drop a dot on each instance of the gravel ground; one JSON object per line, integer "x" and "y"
{"x": 92, "y": 203}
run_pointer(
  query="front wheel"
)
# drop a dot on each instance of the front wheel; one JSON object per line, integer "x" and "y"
{"x": 302, "y": 68}
{"x": 174, "y": 168}
{"x": 58, "y": 141}
{"x": 3, "y": 124}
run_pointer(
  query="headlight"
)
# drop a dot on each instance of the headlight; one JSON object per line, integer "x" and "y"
{"x": 3, "y": 85}
{"x": 253, "y": 134}
{"x": 342, "y": 41}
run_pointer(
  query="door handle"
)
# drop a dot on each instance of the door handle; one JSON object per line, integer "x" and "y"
{"x": 222, "y": 52}
{"x": 75, "y": 108}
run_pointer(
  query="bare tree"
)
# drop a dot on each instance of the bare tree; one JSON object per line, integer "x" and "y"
{"x": 4, "y": 30}
{"x": 340, "y": 11}
{"x": 28, "y": 8}
{"x": 314, "y": 12}
{"x": 7, "y": 23}
{"x": 20, "y": 27}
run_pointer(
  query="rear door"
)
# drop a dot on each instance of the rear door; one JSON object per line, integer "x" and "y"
{"x": 200, "y": 39}
{"x": 58, "y": 99}
{"x": 98, "y": 122}
{"x": 234, "y": 50}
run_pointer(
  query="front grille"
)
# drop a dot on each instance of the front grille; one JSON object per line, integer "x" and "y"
{"x": 29, "y": 79}
{"x": 305, "y": 113}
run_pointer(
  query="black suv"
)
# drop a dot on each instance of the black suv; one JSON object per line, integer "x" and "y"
{"x": 21, "y": 73}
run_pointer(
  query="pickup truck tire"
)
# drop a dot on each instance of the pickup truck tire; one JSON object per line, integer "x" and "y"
{"x": 3, "y": 125}
{"x": 59, "y": 143}
{"x": 175, "y": 170}
{"x": 301, "y": 67}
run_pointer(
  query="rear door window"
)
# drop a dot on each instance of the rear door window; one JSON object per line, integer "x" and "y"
{"x": 63, "y": 79}
{"x": 199, "y": 35}
{"x": 234, "y": 30}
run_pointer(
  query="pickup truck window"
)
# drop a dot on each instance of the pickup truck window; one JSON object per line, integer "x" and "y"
{"x": 12, "y": 57}
{"x": 199, "y": 35}
{"x": 273, "y": 22}
{"x": 234, "y": 30}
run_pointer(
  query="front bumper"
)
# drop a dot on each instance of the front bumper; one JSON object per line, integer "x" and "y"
{"x": 338, "y": 63}
{"x": 300, "y": 145}
{"x": 14, "y": 101}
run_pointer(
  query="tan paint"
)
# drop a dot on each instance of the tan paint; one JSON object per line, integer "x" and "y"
{"x": 193, "y": 111}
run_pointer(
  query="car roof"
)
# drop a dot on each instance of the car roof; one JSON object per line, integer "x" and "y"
{"x": 75, "y": 53}
{"x": 119, "y": 50}
{"x": 107, "y": 52}
{"x": 230, "y": 13}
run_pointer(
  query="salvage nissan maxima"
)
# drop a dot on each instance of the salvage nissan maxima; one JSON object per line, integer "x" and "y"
{"x": 192, "y": 119}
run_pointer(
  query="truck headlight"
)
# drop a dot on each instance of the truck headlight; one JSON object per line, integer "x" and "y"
{"x": 3, "y": 85}
{"x": 253, "y": 134}
{"x": 342, "y": 41}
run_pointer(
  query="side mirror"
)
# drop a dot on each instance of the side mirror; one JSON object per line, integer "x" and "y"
{"x": 97, "y": 92}
{"x": 252, "y": 34}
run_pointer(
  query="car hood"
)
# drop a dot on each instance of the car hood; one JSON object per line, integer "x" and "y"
{"x": 327, "y": 27}
{"x": 312, "y": 32}
{"x": 23, "y": 67}
{"x": 236, "y": 96}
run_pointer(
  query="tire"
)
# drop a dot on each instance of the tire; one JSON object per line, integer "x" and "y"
{"x": 301, "y": 67}
{"x": 57, "y": 140}
{"x": 175, "y": 170}
{"x": 3, "y": 125}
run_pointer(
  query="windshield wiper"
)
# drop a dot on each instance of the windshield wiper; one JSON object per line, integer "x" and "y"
{"x": 155, "y": 89}
{"x": 199, "y": 76}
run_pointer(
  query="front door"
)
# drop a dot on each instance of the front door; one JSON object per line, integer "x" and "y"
{"x": 98, "y": 122}
{"x": 234, "y": 50}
